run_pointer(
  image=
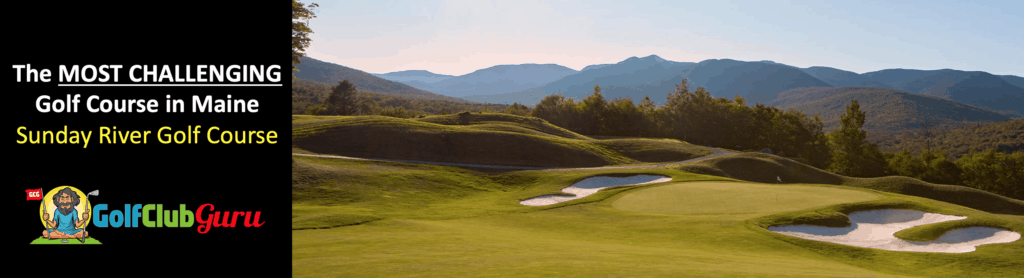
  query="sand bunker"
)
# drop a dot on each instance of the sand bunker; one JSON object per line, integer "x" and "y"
{"x": 875, "y": 229}
{"x": 591, "y": 185}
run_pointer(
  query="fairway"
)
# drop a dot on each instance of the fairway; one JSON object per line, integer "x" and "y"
{"x": 734, "y": 197}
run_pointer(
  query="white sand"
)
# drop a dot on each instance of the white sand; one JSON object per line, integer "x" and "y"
{"x": 875, "y": 229}
{"x": 591, "y": 185}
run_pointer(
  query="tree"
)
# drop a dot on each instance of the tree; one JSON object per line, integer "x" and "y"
{"x": 517, "y": 109}
{"x": 853, "y": 155}
{"x": 300, "y": 30}
{"x": 592, "y": 111}
{"x": 342, "y": 100}
{"x": 368, "y": 106}
{"x": 927, "y": 131}
{"x": 994, "y": 172}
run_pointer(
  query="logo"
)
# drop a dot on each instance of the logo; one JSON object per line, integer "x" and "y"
{"x": 34, "y": 194}
{"x": 64, "y": 212}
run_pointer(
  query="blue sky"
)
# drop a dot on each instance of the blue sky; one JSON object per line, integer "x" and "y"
{"x": 458, "y": 37}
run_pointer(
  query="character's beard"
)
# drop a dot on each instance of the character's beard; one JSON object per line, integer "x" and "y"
{"x": 65, "y": 211}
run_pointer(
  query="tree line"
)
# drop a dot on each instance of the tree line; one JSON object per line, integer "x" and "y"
{"x": 1005, "y": 137}
{"x": 316, "y": 98}
{"x": 694, "y": 116}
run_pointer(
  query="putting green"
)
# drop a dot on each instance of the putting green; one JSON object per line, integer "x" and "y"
{"x": 72, "y": 241}
{"x": 733, "y": 197}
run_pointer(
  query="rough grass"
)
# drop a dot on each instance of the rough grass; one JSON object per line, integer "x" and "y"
{"x": 490, "y": 139}
{"x": 759, "y": 167}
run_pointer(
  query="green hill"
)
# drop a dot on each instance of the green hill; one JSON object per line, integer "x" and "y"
{"x": 490, "y": 139}
{"x": 766, "y": 168}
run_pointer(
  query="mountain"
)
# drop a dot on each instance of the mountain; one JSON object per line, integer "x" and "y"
{"x": 758, "y": 82}
{"x": 413, "y": 75}
{"x": 654, "y": 77}
{"x": 331, "y": 74}
{"x": 886, "y": 109}
{"x": 841, "y": 78}
{"x": 1013, "y": 79}
{"x": 597, "y": 66}
{"x": 631, "y": 71}
{"x": 974, "y": 87}
{"x": 979, "y": 88}
{"x": 496, "y": 80}
{"x": 888, "y": 76}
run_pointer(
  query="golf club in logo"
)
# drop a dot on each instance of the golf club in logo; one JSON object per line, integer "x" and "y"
{"x": 64, "y": 212}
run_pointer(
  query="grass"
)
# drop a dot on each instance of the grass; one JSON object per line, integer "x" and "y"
{"x": 374, "y": 218}
{"x": 490, "y": 139}
{"x": 446, "y": 221}
{"x": 995, "y": 260}
{"x": 500, "y": 120}
{"x": 766, "y": 168}
{"x": 71, "y": 241}
{"x": 736, "y": 198}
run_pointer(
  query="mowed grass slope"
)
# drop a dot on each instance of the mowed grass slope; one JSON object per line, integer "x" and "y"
{"x": 336, "y": 192}
{"x": 415, "y": 220}
{"x": 766, "y": 168}
{"x": 490, "y": 139}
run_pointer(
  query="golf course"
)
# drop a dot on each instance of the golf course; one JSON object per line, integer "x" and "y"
{"x": 363, "y": 205}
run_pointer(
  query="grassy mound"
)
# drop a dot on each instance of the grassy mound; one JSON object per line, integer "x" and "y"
{"x": 330, "y": 193}
{"x": 329, "y": 220}
{"x": 759, "y": 167}
{"x": 498, "y": 121}
{"x": 654, "y": 150}
{"x": 490, "y": 139}
{"x": 763, "y": 168}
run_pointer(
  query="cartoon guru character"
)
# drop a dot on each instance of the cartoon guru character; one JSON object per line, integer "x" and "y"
{"x": 65, "y": 217}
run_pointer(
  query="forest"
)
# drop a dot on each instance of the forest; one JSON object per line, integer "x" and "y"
{"x": 1005, "y": 137}
{"x": 695, "y": 116}
{"x": 310, "y": 97}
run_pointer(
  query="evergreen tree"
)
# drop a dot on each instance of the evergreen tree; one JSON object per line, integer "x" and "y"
{"x": 342, "y": 100}
{"x": 853, "y": 155}
{"x": 592, "y": 111}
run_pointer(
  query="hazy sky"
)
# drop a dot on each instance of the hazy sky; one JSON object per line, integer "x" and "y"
{"x": 458, "y": 37}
